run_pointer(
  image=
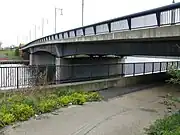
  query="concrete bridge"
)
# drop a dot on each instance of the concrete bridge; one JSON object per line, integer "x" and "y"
{"x": 154, "y": 32}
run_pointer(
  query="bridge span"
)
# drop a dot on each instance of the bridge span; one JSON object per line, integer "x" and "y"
{"x": 154, "y": 32}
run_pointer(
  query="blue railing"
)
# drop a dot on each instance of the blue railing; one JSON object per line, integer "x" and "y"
{"x": 166, "y": 15}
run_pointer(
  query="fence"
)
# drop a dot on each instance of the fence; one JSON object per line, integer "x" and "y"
{"x": 27, "y": 76}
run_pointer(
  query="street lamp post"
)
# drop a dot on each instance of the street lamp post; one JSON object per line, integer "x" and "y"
{"x": 56, "y": 16}
{"x": 82, "y": 12}
{"x": 30, "y": 36}
{"x": 43, "y": 25}
{"x": 173, "y": 14}
{"x": 35, "y": 31}
{"x": 17, "y": 40}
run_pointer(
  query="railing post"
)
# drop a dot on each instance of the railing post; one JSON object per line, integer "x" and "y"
{"x": 108, "y": 69}
{"x": 152, "y": 67}
{"x": 75, "y": 33}
{"x": 160, "y": 66}
{"x": 94, "y": 28}
{"x": 109, "y": 27}
{"x": 122, "y": 73}
{"x": 57, "y": 36}
{"x": 177, "y": 65}
{"x": 134, "y": 69}
{"x": 68, "y": 34}
{"x": 17, "y": 77}
{"x": 129, "y": 23}
{"x": 173, "y": 13}
{"x": 62, "y": 35}
{"x": 166, "y": 66}
{"x": 144, "y": 68}
{"x": 158, "y": 17}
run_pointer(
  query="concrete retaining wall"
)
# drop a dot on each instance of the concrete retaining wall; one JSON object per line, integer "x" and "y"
{"x": 120, "y": 82}
{"x": 97, "y": 85}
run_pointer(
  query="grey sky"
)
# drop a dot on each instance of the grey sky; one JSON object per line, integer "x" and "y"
{"x": 18, "y": 17}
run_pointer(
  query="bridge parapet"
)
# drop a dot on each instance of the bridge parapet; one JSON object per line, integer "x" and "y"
{"x": 166, "y": 15}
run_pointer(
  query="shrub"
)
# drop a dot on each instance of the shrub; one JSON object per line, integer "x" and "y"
{"x": 30, "y": 101}
{"x": 165, "y": 126}
{"x": 16, "y": 52}
{"x": 175, "y": 76}
{"x": 21, "y": 107}
{"x": 6, "y": 119}
{"x": 47, "y": 105}
{"x": 78, "y": 99}
{"x": 64, "y": 100}
{"x": 22, "y": 112}
{"x": 60, "y": 93}
{"x": 94, "y": 96}
{"x": 16, "y": 99}
{"x": 52, "y": 96}
{"x": 5, "y": 108}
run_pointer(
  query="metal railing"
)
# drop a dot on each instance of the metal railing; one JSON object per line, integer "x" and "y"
{"x": 166, "y": 15}
{"x": 28, "y": 76}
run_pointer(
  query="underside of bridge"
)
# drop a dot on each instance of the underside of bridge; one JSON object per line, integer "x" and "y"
{"x": 123, "y": 48}
{"x": 97, "y": 53}
{"x": 77, "y": 67}
{"x": 119, "y": 48}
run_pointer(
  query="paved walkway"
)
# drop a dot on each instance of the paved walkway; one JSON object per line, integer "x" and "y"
{"x": 123, "y": 115}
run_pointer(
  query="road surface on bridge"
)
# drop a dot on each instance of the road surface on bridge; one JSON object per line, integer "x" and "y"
{"x": 116, "y": 115}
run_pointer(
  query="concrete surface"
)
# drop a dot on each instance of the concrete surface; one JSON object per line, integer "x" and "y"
{"x": 116, "y": 115}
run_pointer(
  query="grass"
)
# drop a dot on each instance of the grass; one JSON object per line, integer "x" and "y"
{"x": 169, "y": 125}
{"x": 21, "y": 106}
{"x": 10, "y": 54}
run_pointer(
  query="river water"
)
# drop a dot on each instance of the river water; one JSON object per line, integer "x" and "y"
{"x": 10, "y": 76}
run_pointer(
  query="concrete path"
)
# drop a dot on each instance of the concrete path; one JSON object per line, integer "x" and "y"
{"x": 117, "y": 115}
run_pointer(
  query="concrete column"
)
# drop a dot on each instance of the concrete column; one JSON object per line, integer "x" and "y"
{"x": 31, "y": 59}
{"x": 63, "y": 69}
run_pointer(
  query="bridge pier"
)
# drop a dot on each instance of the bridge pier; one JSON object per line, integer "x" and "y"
{"x": 73, "y": 69}
{"x": 63, "y": 70}
{"x": 77, "y": 68}
{"x": 31, "y": 59}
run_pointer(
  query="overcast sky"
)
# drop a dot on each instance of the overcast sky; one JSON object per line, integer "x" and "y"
{"x": 18, "y": 17}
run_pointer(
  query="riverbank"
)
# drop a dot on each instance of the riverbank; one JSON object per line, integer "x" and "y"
{"x": 9, "y": 55}
{"x": 119, "y": 114}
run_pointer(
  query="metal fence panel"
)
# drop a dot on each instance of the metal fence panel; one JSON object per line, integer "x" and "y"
{"x": 26, "y": 76}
